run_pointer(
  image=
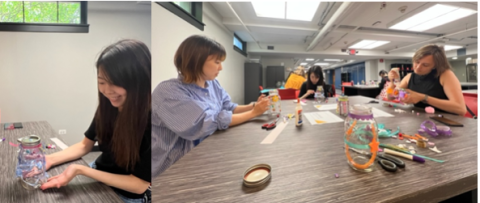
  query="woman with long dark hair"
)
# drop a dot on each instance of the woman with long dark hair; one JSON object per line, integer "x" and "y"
{"x": 121, "y": 126}
{"x": 314, "y": 79}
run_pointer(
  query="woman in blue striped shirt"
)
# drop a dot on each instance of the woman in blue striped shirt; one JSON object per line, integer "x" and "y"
{"x": 187, "y": 109}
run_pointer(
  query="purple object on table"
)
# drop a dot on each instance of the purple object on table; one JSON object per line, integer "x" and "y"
{"x": 435, "y": 130}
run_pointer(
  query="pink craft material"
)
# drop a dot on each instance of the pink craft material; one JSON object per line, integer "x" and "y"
{"x": 418, "y": 114}
{"x": 380, "y": 149}
{"x": 336, "y": 175}
{"x": 429, "y": 109}
{"x": 15, "y": 145}
{"x": 431, "y": 144}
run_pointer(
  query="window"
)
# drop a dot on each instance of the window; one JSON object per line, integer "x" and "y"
{"x": 44, "y": 16}
{"x": 192, "y": 12}
{"x": 239, "y": 45}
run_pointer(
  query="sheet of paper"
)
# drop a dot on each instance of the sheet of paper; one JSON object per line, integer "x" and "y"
{"x": 302, "y": 102}
{"x": 323, "y": 107}
{"x": 379, "y": 113}
{"x": 274, "y": 133}
{"x": 317, "y": 118}
{"x": 59, "y": 143}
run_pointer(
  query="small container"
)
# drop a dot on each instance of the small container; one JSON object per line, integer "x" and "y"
{"x": 275, "y": 108}
{"x": 342, "y": 105}
{"x": 31, "y": 162}
{"x": 422, "y": 143}
{"x": 257, "y": 175}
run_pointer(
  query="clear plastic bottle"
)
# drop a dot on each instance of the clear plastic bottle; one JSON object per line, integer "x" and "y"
{"x": 361, "y": 138}
{"x": 319, "y": 95}
{"x": 31, "y": 162}
{"x": 275, "y": 107}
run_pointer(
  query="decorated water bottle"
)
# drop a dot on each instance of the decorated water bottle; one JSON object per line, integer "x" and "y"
{"x": 275, "y": 107}
{"x": 31, "y": 168}
{"x": 361, "y": 138}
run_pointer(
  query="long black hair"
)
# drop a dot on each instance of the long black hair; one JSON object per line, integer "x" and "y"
{"x": 317, "y": 70}
{"x": 127, "y": 64}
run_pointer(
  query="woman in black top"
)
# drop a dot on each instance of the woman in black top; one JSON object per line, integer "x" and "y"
{"x": 432, "y": 83}
{"x": 315, "y": 78}
{"x": 121, "y": 126}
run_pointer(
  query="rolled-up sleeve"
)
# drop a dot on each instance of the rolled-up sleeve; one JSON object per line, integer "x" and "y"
{"x": 186, "y": 117}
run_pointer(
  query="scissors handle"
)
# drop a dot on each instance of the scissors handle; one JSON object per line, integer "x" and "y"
{"x": 393, "y": 159}
{"x": 387, "y": 165}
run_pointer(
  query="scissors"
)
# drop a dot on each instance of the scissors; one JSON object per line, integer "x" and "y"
{"x": 388, "y": 163}
{"x": 269, "y": 126}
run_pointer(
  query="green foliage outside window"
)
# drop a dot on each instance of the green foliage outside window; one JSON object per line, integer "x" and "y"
{"x": 40, "y": 12}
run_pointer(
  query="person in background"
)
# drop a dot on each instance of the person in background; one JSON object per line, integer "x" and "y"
{"x": 295, "y": 79}
{"x": 121, "y": 125}
{"x": 189, "y": 108}
{"x": 432, "y": 82}
{"x": 314, "y": 79}
{"x": 384, "y": 83}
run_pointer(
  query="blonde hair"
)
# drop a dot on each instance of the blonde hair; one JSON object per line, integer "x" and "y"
{"x": 438, "y": 54}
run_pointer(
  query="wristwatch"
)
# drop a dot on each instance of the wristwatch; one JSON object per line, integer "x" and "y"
{"x": 425, "y": 99}
{"x": 254, "y": 104}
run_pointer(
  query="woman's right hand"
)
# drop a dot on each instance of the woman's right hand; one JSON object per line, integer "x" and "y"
{"x": 261, "y": 106}
{"x": 309, "y": 92}
{"x": 392, "y": 75}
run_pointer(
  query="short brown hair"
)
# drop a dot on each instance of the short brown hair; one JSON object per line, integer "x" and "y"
{"x": 192, "y": 54}
{"x": 439, "y": 57}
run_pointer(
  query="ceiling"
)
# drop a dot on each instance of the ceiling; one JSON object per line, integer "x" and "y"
{"x": 342, "y": 26}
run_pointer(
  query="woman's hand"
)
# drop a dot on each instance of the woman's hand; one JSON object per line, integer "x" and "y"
{"x": 309, "y": 92}
{"x": 260, "y": 98}
{"x": 261, "y": 106}
{"x": 62, "y": 179}
{"x": 412, "y": 97}
{"x": 393, "y": 75}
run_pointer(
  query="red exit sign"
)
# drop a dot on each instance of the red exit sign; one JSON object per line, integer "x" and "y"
{"x": 352, "y": 51}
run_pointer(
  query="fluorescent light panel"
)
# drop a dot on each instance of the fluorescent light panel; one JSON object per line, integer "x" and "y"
{"x": 321, "y": 64}
{"x": 309, "y": 59}
{"x": 432, "y": 17}
{"x": 332, "y": 59}
{"x": 291, "y": 10}
{"x": 368, "y": 44}
{"x": 451, "y": 47}
{"x": 302, "y": 64}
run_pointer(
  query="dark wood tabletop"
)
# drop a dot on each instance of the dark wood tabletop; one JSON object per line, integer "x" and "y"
{"x": 80, "y": 189}
{"x": 305, "y": 160}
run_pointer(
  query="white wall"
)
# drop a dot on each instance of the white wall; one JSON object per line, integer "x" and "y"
{"x": 52, "y": 76}
{"x": 168, "y": 31}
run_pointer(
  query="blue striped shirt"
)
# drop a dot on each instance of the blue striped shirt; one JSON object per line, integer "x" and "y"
{"x": 182, "y": 114}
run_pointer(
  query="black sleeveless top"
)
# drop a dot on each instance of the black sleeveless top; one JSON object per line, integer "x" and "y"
{"x": 427, "y": 84}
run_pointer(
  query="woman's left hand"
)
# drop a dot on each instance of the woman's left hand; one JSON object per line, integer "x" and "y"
{"x": 260, "y": 98}
{"x": 63, "y": 178}
{"x": 412, "y": 97}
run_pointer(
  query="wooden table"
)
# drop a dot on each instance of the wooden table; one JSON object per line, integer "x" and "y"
{"x": 304, "y": 161}
{"x": 362, "y": 90}
{"x": 80, "y": 189}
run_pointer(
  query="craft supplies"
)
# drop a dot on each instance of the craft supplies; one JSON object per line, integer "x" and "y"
{"x": 407, "y": 156}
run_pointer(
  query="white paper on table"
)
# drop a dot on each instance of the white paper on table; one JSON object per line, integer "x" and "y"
{"x": 59, "y": 143}
{"x": 317, "y": 118}
{"x": 274, "y": 134}
{"x": 301, "y": 102}
{"x": 323, "y": 107}
{"x": 379, "y": 113}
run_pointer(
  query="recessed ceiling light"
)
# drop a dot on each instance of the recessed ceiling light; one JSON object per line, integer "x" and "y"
{"x": 321, "y": 64}
{"x": 302, "y": 64}
{"x": 303, "y": 11}
{"x": 454, "y": 58}
{"x": 333, "y": 59}
{"x": 309, "y": 59}
{"x": 451, "y": 47}
{"x": 368, "y": 44}
{"x": 434, "y": 16}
